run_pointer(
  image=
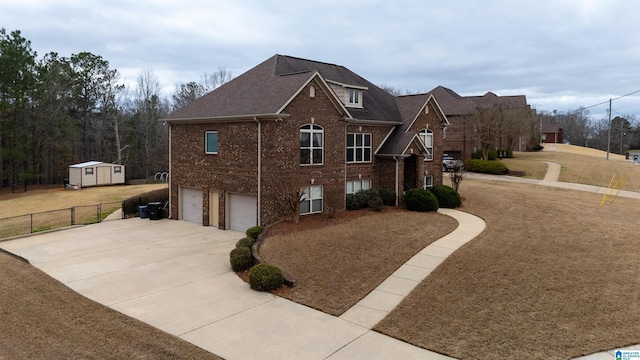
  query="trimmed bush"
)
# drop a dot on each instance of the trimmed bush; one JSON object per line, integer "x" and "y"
{"x": 420, "y": 200}
{"x": 447, "y": 196}
{"x": 265, "y": 277}
{"x": 246, "y": 242}
{"x": 240, "y": 259}
{"x": 538, "y": 147}
{"x": 373, "y": 198}
{"x": 254, "y": 231}
{"x": 477, "y": 155}
{"x": 486, "y": 167}
{"x": 509, "y": 154}
{"x": 492, "y": 155}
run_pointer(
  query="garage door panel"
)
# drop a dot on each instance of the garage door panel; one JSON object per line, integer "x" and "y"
{"x": 191, "y": 205}
{"x": 243, "y": 212}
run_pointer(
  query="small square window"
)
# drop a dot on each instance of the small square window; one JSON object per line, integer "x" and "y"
{"x": 88, "y": 171}
{"x": 211, "y": 142}
{"x": 311, "y": 200}
{"x": 117, "y": 169}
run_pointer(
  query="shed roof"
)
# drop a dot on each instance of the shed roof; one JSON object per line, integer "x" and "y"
{"x": 86, "y": 164}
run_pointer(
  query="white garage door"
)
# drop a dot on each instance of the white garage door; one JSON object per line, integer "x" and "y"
{"x": 191, "y": 205}
{"x": 243, "y": 212}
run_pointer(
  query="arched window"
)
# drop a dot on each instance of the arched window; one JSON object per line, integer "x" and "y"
{"x": 311, "y": 142}
{"x": 426, "y": 136}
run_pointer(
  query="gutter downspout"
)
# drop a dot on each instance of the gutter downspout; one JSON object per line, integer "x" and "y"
{"x": 397, "y": 189}
{"x": 259, "y": 170}
{"x": 170, "y": 202}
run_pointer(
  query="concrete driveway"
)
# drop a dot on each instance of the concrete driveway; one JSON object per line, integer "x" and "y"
{"x": 176, "y": 276}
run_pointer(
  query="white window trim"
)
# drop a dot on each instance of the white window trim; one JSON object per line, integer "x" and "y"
{"x": 428, "y": 178}
{"x": 308, "y": 195}
{"x": 423, "y": 134}
{"x": 358, "y": 95}
{"x": 88, "y": 171}
{"x": 361, "y": 147}
{"x": 364, "y": 185}
{"x": 311, "y": 131}
{"x": 117, "y": 169}
{"x": 217, "y": 142}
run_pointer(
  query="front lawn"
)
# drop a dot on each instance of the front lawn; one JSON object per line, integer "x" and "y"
{"x": 339, "y": 264}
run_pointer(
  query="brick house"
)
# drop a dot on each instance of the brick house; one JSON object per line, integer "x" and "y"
{"x": 460, "y": 140}
{"x": 291, "y": 122}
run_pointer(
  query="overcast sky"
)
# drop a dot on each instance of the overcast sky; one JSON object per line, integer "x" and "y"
{"x": 561, "y": 54}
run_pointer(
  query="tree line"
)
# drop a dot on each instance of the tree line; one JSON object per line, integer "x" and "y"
{"x": 56, "y": 111}
{"x": 581, "y": 130}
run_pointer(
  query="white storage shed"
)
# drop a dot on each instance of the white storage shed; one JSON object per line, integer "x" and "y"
{"x": 95, "y": 173}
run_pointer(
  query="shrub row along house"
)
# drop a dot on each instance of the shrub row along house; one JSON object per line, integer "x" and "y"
{"x": 238, "y": 154}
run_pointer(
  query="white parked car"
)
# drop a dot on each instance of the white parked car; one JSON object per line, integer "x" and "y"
{"x": 450, "y": 164}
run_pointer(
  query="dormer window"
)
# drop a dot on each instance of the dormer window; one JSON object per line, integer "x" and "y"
{"x": 355, "y": 98}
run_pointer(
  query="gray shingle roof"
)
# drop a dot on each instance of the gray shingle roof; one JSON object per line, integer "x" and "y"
{"x": 266, "y": 88}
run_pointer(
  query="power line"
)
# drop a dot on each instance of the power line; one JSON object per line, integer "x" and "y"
{"x": 619, "y": 97}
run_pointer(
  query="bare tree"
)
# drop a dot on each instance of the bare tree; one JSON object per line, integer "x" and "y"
{"x": 487, "y": 122}
{"x": 456, "y": 176}
{"x": 288, "y": 192}
{"x": 216, "y": 79}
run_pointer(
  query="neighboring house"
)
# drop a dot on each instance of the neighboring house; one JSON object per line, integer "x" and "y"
{"x": 461, "y": 140}
{"x": 552, "y": 133}
{"x": 95, "y": 173}
{"x": 296, "y": 123}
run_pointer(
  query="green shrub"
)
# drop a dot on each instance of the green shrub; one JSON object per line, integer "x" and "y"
{"x": 265, "y": 277}
{"x": 538, "y": 147}
{"x": 486, "y": 167}
{"x": 369, "y": 197}
{"x": 357, "y": 201}
{"x": 477, "y": 154}
{"x": 241, "y": 259}
{"x": 376, "y": 203}
{"x": 492, "y": 155}
{"x": 254, "y": 231}
{"x": 509, "y": 154}
{"x": 246, "y": 242}
{"x": 447, "y": 196}
{"x": 420, "y": 200}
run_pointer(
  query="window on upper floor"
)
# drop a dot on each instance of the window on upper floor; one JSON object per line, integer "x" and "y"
{"x": 211, "y": 142}
{"x": 358, "y": 148}
{"x": 311, "y": 200}
{"x": 311, "y": 148}
{"x": 426, "y": 136}
{"x": 357, "y": 185}
{"x": 354, "y": 97}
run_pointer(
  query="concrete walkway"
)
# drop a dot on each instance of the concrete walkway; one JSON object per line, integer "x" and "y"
{"x": 175, "y": 276}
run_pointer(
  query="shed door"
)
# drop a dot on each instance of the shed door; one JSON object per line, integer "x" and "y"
{"x": 104, "y": 175}
{"x": 191, "y": 205}
{"x": 243, "y": 212}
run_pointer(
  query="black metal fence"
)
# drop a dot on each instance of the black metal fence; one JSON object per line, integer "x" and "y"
{"x": 55, "y": 219}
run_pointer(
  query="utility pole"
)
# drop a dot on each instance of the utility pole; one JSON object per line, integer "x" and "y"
{"x": 609, "y": 137}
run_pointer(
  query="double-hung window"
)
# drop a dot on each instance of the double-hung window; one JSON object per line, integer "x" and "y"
{"x": 311, "y": 200}
{"x": 426, "y": 136}
{"x": 358, "y": 147}
{"x": 357, "y": 185}
{"x": 211, "y": 142}
{"x": 311, "y": 144}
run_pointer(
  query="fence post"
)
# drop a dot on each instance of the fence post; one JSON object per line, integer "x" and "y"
{"x": 73, "y": 215}
{"x": 31, "y": 225}
{"x": 99, "y": 209}
{"x": 124, "y": 202}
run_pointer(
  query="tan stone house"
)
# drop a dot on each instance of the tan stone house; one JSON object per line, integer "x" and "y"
{"x": 297, "y": 122}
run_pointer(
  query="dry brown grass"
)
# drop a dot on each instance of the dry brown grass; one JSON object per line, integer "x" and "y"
{"x": 576, "y": 168}
{"x": 336, "y": 266}
{"x": 41, "y": 318}
{"x": 553, "y": 276}
{"x": 59, "y": 198}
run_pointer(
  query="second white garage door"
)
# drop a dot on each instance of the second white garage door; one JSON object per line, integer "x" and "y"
{"x": 191, "y": 205}
{"x": 243, "y": 212}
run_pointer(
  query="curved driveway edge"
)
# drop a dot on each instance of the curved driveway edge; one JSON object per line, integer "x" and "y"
{"x": 383, "y": 299}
